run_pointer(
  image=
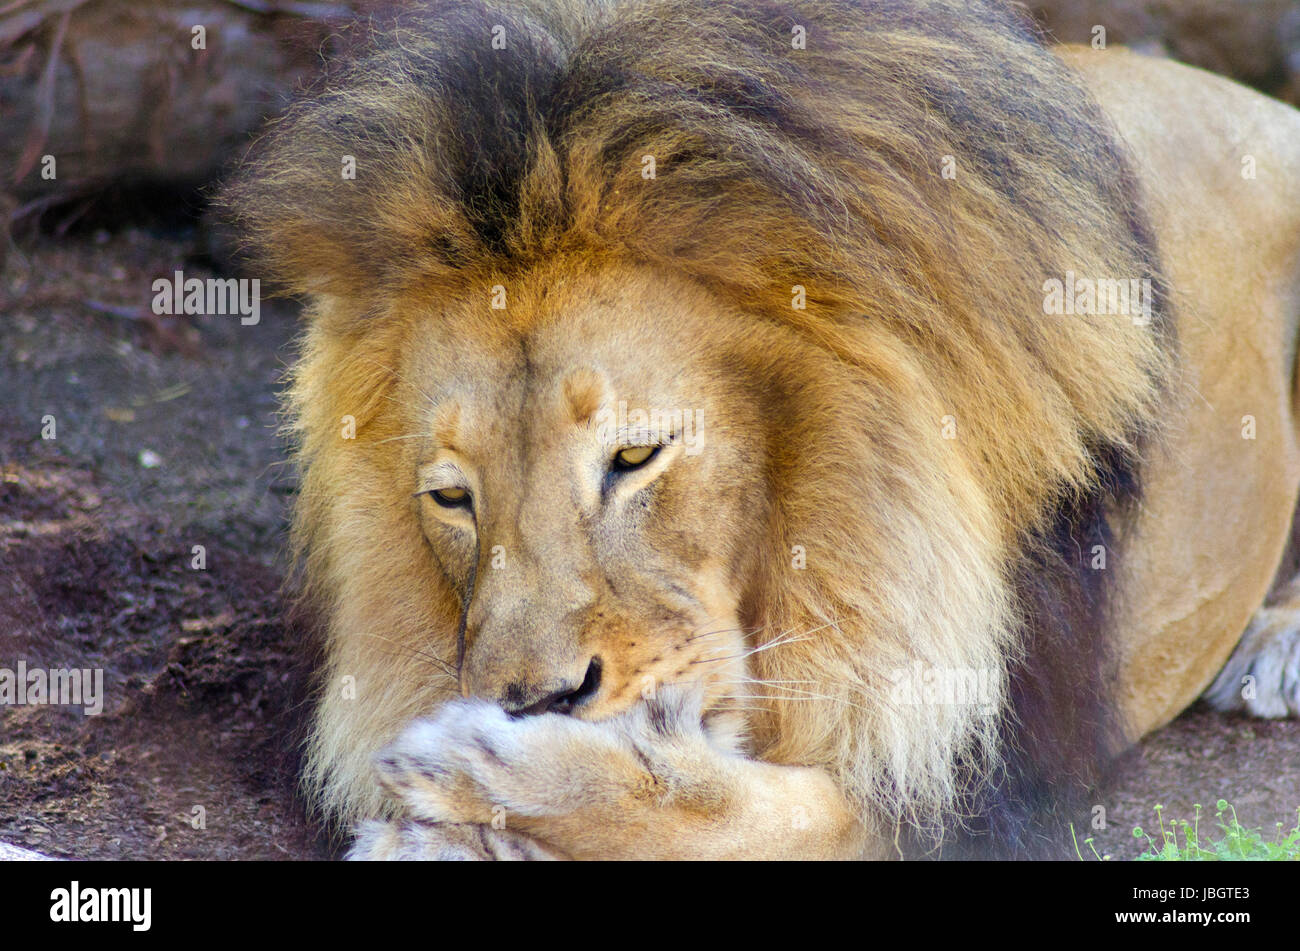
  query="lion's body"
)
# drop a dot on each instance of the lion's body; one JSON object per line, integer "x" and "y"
{"x": 909, "y": 465}
{"x": 1217, "y": 506}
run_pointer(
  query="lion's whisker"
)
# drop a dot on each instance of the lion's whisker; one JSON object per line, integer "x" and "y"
{"x": 438, "y": 662}
{"x": 714, "y": 660}
{"x": 725, "y": 630}
{"x": 778, "y": 642}
{"x": 805, "y": 698}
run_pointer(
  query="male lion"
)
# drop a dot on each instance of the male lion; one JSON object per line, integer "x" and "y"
{"x": 756, "y": 428}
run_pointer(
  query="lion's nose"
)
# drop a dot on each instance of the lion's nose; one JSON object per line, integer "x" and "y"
{"x": 518, "y": 699}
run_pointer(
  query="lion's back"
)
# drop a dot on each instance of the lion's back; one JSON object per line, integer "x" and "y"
{"x": 1220, "y": 171}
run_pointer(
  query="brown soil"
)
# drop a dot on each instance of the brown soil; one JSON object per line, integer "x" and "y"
{"x": 193, "y": 755}
{"x": 202, "y": 672}
{"x": 1201, "y": 757}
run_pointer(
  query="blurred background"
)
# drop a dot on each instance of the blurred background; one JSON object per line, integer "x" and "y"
{"x": 143, "y": 491}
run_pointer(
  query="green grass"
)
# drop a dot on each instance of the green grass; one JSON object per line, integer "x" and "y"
{"x": 1235, "y": 843}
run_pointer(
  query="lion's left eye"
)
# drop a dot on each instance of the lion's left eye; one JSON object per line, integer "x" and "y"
{"x": 634, "y": 457}
{"x": 451, "y": 498}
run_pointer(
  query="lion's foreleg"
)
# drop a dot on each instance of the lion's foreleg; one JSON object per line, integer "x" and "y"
{"x": 647, "y": 785}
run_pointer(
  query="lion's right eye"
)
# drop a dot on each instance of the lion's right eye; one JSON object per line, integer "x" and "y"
{"x": 451, "y": 498}
{"x": 633, "y": 457}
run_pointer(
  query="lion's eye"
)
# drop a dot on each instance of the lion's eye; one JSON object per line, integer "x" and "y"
{"x": 451, "y": 498}
{"x": 634, "y": 457}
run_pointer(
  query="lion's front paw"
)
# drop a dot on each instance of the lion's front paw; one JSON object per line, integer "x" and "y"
{"x": 552, "y": 775}
{"x": 412, "y": 841}
{"x": 473, "y": 763}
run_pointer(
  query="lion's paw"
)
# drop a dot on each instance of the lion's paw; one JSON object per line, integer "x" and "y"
{"x": 411, "y": 841}
{"x": 1263, "y": 675}
{"x": 473, "y": 763}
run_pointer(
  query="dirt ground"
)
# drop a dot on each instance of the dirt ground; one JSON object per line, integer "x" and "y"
{"x": 166, "y": 439}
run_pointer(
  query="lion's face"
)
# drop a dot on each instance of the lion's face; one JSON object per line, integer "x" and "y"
{"x": 589, "y": 482}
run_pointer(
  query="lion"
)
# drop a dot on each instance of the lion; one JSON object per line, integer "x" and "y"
{"x": 751, "y": 429}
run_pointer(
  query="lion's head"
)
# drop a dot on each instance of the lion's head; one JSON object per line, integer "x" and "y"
{"x": 657, "y": 345}
{"x": 562, "y": 479}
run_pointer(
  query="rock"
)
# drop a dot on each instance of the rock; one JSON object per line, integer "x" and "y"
{"x": 12, "y": 853}
{"x": 1254, "y": 41}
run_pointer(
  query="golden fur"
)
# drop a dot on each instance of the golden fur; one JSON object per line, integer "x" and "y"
{"x": 933, "y": 444}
